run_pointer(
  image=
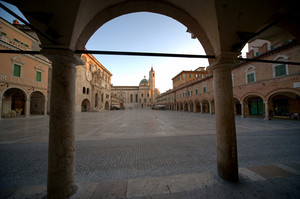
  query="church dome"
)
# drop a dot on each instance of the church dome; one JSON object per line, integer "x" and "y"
{"x": 144, "y": 81}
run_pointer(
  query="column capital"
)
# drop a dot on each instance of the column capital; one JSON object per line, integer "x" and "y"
{"x": 62, "y": 56}
{"x": 224, "y": 58}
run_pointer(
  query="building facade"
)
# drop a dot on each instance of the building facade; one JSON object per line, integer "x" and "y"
{"x": 23, "y": 77}
{"x": 93, "y": 86}
{"x": 259, "y": 89}
{"x": 142, "y": 96}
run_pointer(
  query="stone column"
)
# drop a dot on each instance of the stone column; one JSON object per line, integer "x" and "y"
{"x": 45, "y": 109}
{"x": 61, "y": 153}
{"x": 227, "y": 161}
{"x": 194, "y": 107}
{"x": 27, "y": 107}
{"x": 242, "y": 110}
{"x": 210, "y": 108}
{"x": 1, "y": 107}
{"x": 201, "y": 109}
{"x": 267, "y": 116}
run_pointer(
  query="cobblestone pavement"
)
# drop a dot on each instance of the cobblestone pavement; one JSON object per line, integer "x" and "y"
{"x": 126, "y": 145}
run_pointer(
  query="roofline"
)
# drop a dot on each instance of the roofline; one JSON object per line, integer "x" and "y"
{"x": 187, "y": 71}
{"x": 18, "y": 30}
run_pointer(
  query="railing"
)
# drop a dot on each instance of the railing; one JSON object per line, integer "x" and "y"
{"x": 10, "y": 79}
{"x": 14, "y": 43}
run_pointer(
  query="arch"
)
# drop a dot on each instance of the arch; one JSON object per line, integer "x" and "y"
{"x": 106, "y": 105}
{"x": 205, "y": 106}
{"x": 254, "y": 105}
{"x": 85, "y": 105}
{"x": 18, "y": 59}
{"x": 37, "y": 103}
{"x": 185, "y": 107}
{"x": 282, "y": 90}
{"x": 237, "y": 106}
{"x": 197, "y": 104}
{"x": 250, "y": 67}
{"x": 13, "y": 102}
{"x": 284, "y": 103}
{"x": 252, "y": 93}
{"x": 157, "y": 7}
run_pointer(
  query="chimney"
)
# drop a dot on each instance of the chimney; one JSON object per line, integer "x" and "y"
{"x": 16, "y": 22}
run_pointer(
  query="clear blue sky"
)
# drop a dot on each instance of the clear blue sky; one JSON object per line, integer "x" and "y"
{"x": 142, "y": 32}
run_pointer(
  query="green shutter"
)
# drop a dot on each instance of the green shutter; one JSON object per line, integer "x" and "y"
{"x": 17, "y": 70}
{"x": 280, "y": 70}
{"x": 38, "y": 76}
{"x": 250, "y": 78}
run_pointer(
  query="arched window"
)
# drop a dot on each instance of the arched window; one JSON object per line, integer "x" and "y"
{"x": 204, "y": 88}
{"x": 83, "y": 90}
{"x": 87, "y": 91}
{"x": 250, "y": 74}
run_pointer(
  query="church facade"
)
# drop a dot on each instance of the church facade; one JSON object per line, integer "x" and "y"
{"x": 141, "y": 96}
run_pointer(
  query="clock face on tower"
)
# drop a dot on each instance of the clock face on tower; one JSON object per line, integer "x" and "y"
{"x": 88, "y": 75}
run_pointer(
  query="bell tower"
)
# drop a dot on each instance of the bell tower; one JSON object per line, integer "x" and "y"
{"x": 152, "y": 80}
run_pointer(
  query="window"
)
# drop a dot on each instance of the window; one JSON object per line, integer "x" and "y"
{"x": 107, "y": 96}
{"x": 131, "y": 98}
{"x": 190, "y": 93}
{"x": 190, "y": 75}
{"x": 147, "y": 94}
{"x": 142, "y": 95}
{"x": 38, "y": 76}
{"x": 102, "y": 96}
{"x": 145, "y": 100}
{"x": 17, "y": 70}
{"x": 280, "y": 70}
{"x": 250, "y": 74}
{"x": 204, "y": 88}
{"x": 250, "y": 77}
{"x": 180, "y": 95}
{"x": 83, "y": 90}
{"x": 196, "y": 91}
{"x": 136, "y": 98}
{"x": 196, "y": 75}
{"x": 87, "y": 91}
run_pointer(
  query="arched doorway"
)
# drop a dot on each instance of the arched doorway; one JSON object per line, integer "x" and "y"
{"x": 254, "y": 106}
{"x": 205, "y": 106}
{"x": 37, "y": 103}
{"x": 13, "y": 103}
{"x": 106, "y": 106}
{"x": 284, "y": 105}
{"x": 185, "y": 108}
{"x": 237, "y": 107}
{"x": 85, "y": 105}
{"x": 198, "y": 107}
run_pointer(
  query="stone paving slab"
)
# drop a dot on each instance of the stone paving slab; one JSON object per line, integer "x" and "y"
{"x": 193, "y": 185}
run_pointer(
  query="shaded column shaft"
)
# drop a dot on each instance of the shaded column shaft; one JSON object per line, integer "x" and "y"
{"x": 225, "y": 123}
{"x": 61, "y": 153}
{"x": 242, "y": 110}
{"x": 267, "y": 116}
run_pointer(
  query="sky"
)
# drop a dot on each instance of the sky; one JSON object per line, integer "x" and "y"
{"x": 141, "y": 32}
